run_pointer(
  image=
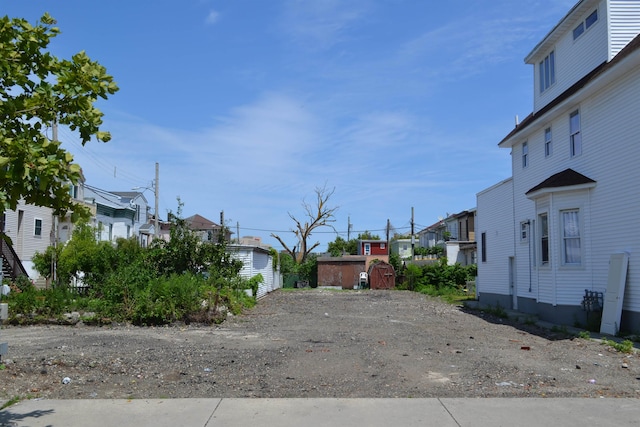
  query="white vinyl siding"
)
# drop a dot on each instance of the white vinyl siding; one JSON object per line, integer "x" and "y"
{"x": 607, "y": 107}
{"x": 495, "y": 223}
{"x": 256, "y": 261}
{"x": 624, "y": 23}
{"x": 573, "y": 58}
{"x": 26, "y": 242}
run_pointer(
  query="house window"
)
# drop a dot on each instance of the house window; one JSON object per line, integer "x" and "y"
{"x": 544, "y": 238}
{"x": 571, "y": 254}
{"x": 524, "y": 231}
{"x": 577, "y": 31}
{"x": 525, "y": 154}
{"x": 591, "y": 19}
{"x": 575, "y": 140}
{"x": 483, "y": 246}
{"x": 547, "y": 70}
{"x": 73, "y": 191}
{"x": 367, "y": 248}
{"x": 37, "y": 231}
{"x": 547, "y": 142}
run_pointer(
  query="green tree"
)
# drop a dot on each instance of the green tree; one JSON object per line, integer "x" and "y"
{"x": 38, "y": 90}
{"x": 338, "y": 247}
{"x": 341, "y": 246}
{"x": 186, "y": 252}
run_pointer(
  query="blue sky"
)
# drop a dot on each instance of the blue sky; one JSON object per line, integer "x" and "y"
{"x": 249, "y": 105}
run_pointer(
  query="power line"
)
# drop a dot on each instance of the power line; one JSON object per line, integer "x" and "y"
{"x": 319, "y": 232}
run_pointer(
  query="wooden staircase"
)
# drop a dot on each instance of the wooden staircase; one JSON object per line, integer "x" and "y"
{"x": 11, "y": 265}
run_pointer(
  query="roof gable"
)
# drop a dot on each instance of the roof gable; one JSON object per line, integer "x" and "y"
{"x": 562, "y": 180}
{"x": 198, "y": 222}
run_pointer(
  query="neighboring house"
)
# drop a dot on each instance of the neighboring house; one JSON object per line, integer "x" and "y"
{"x": 461, "y": 246}
{"x": 143, "y": 224}
{"x": 547, "y": 233}
{"x": 33, "y": 229}
{"x": 432, "y": 236}
{"x": 206, "y": 229}
{"x": 373, "y": 247}
{"x": 402, "y": 248}
{"x": 30, "y": 229}
{"x": 116, "y": 216}
{"x": 257, "y": 260}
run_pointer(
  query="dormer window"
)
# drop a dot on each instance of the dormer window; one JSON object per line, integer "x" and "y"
{"x": 591, "y": 19}
{"x": 547, "y": 71}
{"x": 586, "y": 24}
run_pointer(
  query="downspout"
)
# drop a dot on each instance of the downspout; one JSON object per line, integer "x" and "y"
{"x": 553, "y": 248}
{"x": 529, "y": 247}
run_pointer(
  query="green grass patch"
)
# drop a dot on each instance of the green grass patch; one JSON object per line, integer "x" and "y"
{"x": 585, "y": 335}
{"x": 11, "y": 402}
{"x": 625, "y": 346}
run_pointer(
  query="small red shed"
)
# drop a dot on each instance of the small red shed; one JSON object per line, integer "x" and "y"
{"x": 382, "y": 276}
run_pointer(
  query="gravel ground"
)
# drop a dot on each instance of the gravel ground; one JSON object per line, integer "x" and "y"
{"x": 317, "y": 343}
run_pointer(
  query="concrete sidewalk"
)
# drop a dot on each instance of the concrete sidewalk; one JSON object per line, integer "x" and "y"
{"x": 453, "y": 412}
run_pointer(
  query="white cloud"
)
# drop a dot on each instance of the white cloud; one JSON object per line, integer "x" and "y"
{"x": 321, "y": 24}
{"x": 212, "y": 17}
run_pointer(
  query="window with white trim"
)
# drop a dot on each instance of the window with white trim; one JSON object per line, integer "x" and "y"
{"x": 571, "y": 252}
{"x": 37, "y": 229}
{"x": 367, "y": 248}
{"x": 524, "y": 231}
{"x": 575, "y": 138}
{"x": 586, "y": 24}
{"x": 525, "y": 154}
{"x": 548, "y": 149}
{"x": 543, "y": 221}
{"x": 547, "y": 71}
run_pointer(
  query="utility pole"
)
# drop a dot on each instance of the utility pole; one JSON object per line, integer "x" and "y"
{"x": 222, "y": 233}
{"x": 238, "y": 231}
{"x": 413, "y": 237}
{"x": 54, "y": 261}
{"x": 348, "y": 228}
{"x": 388, "y": 230}
{"x": 156, "y": 190}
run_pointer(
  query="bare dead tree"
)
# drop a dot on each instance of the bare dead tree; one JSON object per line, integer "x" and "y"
{"x": 318, "y": 215}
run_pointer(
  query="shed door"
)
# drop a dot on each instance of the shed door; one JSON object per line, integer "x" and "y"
{"x": 383, "y": 277}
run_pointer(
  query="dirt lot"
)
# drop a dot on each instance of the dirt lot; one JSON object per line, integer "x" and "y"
{"x": 317, "y": 343}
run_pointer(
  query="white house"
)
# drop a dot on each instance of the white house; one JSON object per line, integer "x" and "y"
{"x": 34, "y": 228}
{"x": 402, "y": 248}
{"x": 574, "y": 200}
{"x": 116, "y": 216}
